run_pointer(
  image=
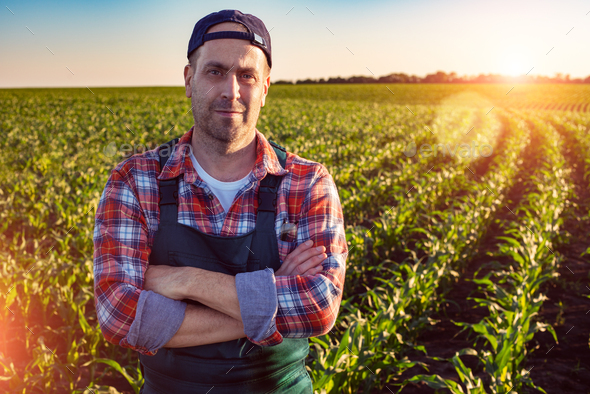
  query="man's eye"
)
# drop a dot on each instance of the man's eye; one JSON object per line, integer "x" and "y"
{"x": 215, "y": 72}
{"x": 248, "y": 76}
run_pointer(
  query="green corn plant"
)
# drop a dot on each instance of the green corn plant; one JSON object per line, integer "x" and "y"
{"x": 133, "y": 375}
{"x": 471, "y": 384}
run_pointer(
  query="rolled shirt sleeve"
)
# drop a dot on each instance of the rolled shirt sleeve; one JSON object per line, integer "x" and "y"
{"x": 156, "y": 321}
{"x": 257, "y": 295}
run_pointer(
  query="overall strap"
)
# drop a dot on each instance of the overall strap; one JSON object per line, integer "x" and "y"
{"x": 169, "y": 188}
{"x": 281, "y": 153}
{"x": 265, "y": 239}
{"x": 267, "y": 195}
{"x": 269, "y": 186}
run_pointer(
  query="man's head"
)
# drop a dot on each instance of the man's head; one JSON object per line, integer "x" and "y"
{"x": 228, "y": 74}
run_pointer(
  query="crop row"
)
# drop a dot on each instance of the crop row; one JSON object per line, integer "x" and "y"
{"x": 513, "y": 291}
{"x": 578, "y": 126}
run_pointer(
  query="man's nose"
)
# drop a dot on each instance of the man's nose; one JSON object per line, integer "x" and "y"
{"x": 231, "y": 87}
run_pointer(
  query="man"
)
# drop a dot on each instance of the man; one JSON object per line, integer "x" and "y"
{"x": 203, "y": 260}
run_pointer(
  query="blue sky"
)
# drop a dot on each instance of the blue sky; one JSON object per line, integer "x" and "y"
{"x": 144, "y": 43}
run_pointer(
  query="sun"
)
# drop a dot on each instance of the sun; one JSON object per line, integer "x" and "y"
{"x": 513, "y": 65}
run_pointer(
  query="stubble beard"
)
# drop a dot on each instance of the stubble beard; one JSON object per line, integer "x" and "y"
{"x": 222, "y": 135}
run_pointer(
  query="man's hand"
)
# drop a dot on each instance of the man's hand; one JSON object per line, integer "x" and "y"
{"x": 167, "y": 281}
{"x": 304, "y": 260}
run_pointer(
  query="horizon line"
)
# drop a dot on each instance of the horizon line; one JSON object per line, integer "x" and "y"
{"x": 509, "y": 79}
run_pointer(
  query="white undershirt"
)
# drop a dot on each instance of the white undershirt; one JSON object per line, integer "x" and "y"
{"x": 225, "y": 191}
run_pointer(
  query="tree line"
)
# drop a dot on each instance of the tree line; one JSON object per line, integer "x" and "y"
{"x": 443, "y": 77}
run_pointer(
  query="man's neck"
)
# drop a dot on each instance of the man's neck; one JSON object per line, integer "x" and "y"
{"x": 224, "y": 163}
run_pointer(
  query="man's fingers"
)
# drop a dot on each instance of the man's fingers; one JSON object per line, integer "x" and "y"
{"x": 304, "y": 260}
{"x": 301, "y": 248}
{"x": 308, "y": 254}
{"x": 313, "y": 271}
{"x": 310, "y": 264}
{"x": 310, "y": 267}
{"x": 298, "y": 255}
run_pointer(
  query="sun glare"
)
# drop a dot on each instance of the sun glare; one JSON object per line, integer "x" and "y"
{"x": 513, "y": 65}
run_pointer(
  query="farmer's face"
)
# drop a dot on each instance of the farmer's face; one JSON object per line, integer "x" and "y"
{"x": 227, "y": 86}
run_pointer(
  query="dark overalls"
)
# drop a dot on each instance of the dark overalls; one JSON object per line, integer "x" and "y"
{"x": 236, "y": 366}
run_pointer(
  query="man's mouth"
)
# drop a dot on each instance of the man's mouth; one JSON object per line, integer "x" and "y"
{"x": 227, "y": 113}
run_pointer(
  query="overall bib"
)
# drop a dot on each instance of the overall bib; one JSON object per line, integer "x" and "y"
{"x": 236, "y": 366}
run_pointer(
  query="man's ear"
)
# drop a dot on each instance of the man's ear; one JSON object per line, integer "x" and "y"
{"x": 188, "y": 80}
{"x": 265, "y": 89}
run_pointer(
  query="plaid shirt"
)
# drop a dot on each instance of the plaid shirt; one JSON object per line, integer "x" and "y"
{"x": 127, "y": 219}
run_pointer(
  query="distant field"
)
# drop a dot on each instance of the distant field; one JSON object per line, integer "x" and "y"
{"x": 562, "y": 97}
{"x": 426, "y": 231}
{"x": 574, "y": 97}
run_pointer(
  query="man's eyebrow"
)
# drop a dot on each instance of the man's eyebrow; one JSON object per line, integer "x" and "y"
{"x": 216, "y": 64}
{"x": 223, "y": 67}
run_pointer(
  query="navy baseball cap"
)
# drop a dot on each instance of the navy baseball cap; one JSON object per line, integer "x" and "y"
{"x": 257, "y": 33}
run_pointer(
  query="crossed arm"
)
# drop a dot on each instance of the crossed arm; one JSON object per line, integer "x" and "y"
{"x": 219, "y": 318}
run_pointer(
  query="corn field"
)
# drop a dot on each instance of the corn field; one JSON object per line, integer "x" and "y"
{"x": 467, "y": 214}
